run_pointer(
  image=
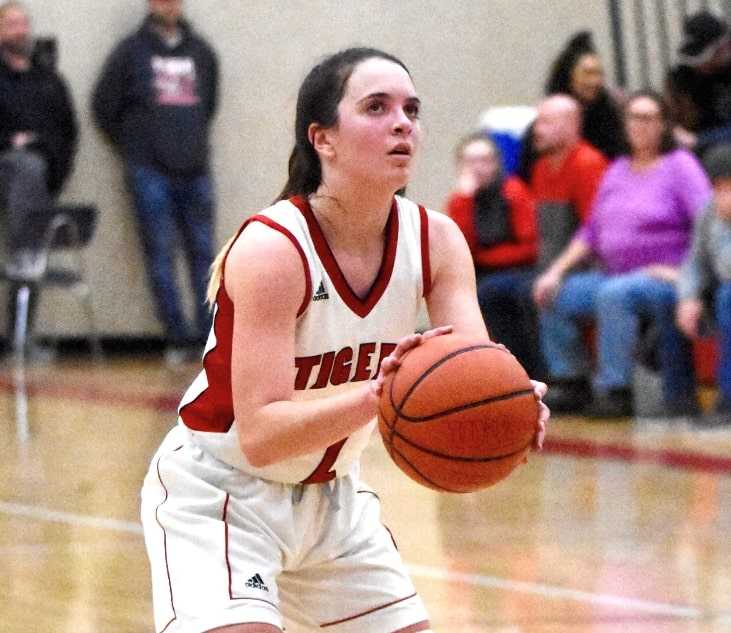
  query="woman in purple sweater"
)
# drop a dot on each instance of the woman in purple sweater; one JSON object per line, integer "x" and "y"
{"x": 637, "y": 236}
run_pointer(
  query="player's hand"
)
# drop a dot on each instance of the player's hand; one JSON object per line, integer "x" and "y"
{"x": 544, "y": 413}
{"x": 391, "y": 362}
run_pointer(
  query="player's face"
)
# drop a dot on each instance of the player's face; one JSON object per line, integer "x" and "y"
{"x": 644, "y": 125}
{"x": 378, "y": 132}
{"x": 15, "y": 34}
{"x": 587, "y": 78}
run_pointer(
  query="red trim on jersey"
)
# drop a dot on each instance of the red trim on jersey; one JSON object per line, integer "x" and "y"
{"x": 374, "y": 609}
{"x": 213, "y": 409}
{"x": 425, "y": 259}
{"x": 165, "y": 543}
{"x": 361, "y": 307}
{"x": 225, "y": 545}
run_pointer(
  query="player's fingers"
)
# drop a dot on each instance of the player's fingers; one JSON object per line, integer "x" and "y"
{"x": 539, "y": 388}
{"x": 437, "y": 331}
{"x": 544, "y": 413}
{"x": 404, "y": 345}
{"x": 388, "y": 364}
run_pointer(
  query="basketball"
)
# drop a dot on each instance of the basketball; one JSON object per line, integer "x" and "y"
{"x": 459, "y": 414}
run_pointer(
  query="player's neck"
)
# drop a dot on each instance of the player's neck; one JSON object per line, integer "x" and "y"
{"x": 348, "y": 216}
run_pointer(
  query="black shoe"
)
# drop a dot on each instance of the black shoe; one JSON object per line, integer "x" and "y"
{"x": 615, "y": 403}
{"x": 568, "y": 396}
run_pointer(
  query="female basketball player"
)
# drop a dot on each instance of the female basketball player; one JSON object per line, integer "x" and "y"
{"x": 253, "y": 508}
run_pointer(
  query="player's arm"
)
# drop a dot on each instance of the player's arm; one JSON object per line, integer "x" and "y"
{"x": 265, "y": 279}
{"x": 453, "y": 296}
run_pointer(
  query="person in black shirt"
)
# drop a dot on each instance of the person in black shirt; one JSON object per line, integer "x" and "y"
{"x": 38, "y": 137}
{"x": 698, "y": 88}
{"x": 578, "y": 72}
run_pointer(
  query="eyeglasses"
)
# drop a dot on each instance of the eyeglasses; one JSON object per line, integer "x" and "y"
{"x": 643, "y": 117}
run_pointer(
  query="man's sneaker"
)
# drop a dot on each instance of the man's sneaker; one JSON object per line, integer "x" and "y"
{"x": 615, "y": 403}
{"x": 568, "y": 396}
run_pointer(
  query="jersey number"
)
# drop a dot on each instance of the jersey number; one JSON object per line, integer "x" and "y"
{"x": 322, "y": 473}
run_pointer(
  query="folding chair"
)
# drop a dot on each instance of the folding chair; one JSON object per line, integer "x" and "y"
{"x": 65, "y": 228}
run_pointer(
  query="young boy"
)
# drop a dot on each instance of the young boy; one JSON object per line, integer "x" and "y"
{"x": 707, "y": 273}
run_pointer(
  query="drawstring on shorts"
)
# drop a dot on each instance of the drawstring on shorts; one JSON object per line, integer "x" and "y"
{"x": 332, "y": 493}
{"x": 298, "y": 491}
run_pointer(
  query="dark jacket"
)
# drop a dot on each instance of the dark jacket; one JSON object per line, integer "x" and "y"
{"x": 156, "y": 103}
{"x": 699, "y": 102}
{"x": 38, "y": 101}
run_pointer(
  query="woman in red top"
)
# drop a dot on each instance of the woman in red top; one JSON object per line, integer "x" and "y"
{"x": 496, "y": 213}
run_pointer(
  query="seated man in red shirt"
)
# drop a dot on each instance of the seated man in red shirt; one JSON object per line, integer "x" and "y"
{"x": 565, "y": 179}
{"x": 497, "y": 216}
{"x": 564, "y": 182}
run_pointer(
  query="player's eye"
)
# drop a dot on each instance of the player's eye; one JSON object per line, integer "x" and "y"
{"x": 412, "y": 110}
{"x": 375, "y": 107}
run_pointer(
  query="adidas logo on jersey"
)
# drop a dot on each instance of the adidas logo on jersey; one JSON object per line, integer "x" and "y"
{"x": 256, "y": 582}
{"x": 321, "y": 293}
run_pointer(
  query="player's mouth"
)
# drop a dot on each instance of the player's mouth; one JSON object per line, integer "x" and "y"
{"x": 402, "y": 149}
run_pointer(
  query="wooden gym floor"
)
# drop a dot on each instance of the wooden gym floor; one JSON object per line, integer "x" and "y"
{"x": 616, "y": 527}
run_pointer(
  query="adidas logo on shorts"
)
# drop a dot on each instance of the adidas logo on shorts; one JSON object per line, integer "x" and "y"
{"x": 257, "y": 582}
{"x": 321, "y": 293}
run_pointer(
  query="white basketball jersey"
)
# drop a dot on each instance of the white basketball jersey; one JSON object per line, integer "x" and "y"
{"x": 340, "y": 337}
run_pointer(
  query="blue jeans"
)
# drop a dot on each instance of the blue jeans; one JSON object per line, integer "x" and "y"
{"x": 510, "y": 315}
{"x": 616, "y": 304}
{"x": 168, "y": 207}
{"x": 722, "y": 300}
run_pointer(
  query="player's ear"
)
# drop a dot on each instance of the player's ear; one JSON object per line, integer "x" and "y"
{"x": 320, "y": 138}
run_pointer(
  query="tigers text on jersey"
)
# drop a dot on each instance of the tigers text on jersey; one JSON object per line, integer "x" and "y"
{"x": 340, "y": 338}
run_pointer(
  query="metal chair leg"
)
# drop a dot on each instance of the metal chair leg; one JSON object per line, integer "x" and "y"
{"x": 20, "y": 335}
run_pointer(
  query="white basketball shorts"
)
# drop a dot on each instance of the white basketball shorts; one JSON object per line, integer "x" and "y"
{"x": 228, "y": 548}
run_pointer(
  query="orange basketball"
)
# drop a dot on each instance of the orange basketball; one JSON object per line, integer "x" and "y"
{"x": 459, "y": 414}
